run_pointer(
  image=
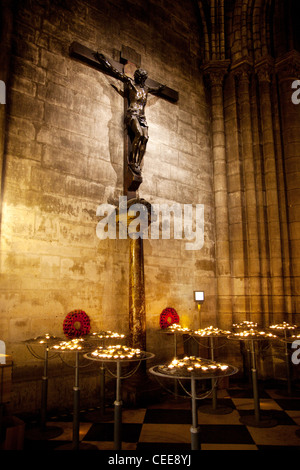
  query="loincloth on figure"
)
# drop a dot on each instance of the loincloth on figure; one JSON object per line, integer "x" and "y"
{"x": 131, "y": 115}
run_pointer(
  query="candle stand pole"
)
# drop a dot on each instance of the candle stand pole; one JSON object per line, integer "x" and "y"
{"x": 76, "y": 444}
{"x": 43, "y": 431}
{"x": 195, "y": 429}
{"x": 257, "y": 420}
{"x": 214, "y": 408}
{"x": 118, "y": 411}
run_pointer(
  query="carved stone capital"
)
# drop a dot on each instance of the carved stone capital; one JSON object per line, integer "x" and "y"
{"x": 215, "y": 71}
{"x": 264, "y": 69}
{"x": 242, "y": 70}
{"x": 288, "y": 66}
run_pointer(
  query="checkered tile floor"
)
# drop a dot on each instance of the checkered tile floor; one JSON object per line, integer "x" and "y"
{"x": 165, "y": 426}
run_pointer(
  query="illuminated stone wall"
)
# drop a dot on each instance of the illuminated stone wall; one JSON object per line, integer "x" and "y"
{"x": 64, "y": 155}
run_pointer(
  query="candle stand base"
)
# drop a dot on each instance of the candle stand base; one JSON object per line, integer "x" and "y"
{"x": 43, "y": 433}
{"x": 262, "y": 422}
{"x": 195, "y": 438}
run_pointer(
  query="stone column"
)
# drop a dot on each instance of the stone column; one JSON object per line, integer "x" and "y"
{"x": 282, "y": 200}
{"x": 243, "y": 72}
{"x": 288, "y": 70}
{"x": 261, "y": 207}
{"x": 235, "y": 201}
{"x": 215, "y": 71}
{"x": 263, "y": 71}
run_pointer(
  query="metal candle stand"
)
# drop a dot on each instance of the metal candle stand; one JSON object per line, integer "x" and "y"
{"x": 43, "y": 432}
{"x": 76, "y": 444}
{"x": 193, "y": 376}
{"x": 256, "y": 420}
{"x": 290, "y": 339}
{"x": 102, "y": 414}
{"x": 246, "y": 354}
{"x": 214, "y": 408}
{"x": 175, "y": 329}
{"x": 286, "y": 339}
{"x": 118, "y": 401}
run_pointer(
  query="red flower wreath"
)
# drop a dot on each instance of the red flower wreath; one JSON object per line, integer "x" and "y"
{"x": 167, "y": 317}
{"x": 76, "y": 324}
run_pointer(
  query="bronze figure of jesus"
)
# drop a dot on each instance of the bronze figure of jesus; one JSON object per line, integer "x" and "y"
{"x": 135, "y": 119}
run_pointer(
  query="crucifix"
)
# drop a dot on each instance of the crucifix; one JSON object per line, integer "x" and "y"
{"x": 137, "y": 85}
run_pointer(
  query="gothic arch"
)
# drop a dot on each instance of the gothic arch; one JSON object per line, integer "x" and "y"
{"x": 235, "y": 29}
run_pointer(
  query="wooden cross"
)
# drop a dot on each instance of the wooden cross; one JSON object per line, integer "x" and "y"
{"x": 129, "y": 62}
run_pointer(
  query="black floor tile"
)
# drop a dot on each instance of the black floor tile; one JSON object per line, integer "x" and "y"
{"x": 225, "y": 434}
{"x": 288, "y": 403}
{"x": 105, "y": 432}
{"x": 279, "y": 416}
{"x": 168, "y": 416}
